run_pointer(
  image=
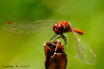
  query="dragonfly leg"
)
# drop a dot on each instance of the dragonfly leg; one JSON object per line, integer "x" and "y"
{"x": 64, "y": 38}
{"x": 53, "y": 36}
{"x": 58, "y": 37}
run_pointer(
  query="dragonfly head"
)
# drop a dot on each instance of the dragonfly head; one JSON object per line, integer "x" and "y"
{"x": 58, "y": 28}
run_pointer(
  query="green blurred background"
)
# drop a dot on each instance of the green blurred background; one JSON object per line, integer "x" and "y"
{"x": 17, "y": 49}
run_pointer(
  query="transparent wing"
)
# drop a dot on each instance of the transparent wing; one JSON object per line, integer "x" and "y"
{"x": 83, "y": 51}
{"x": 70, "y": 47}
{"x": 29, "y": 27}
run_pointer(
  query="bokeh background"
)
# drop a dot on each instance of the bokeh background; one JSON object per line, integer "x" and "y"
{"x": 28, "y": 50}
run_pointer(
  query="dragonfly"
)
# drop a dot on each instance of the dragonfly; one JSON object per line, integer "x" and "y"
{"x": 83, "y": 52}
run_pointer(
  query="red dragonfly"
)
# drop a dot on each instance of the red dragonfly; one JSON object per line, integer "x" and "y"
{"x": 63, "y": 27}
{"x": 59, "y": 27}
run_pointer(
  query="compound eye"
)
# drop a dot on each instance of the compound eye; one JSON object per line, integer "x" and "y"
{"x": 55, "y": 25}
{"x": 59, "y": 26}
